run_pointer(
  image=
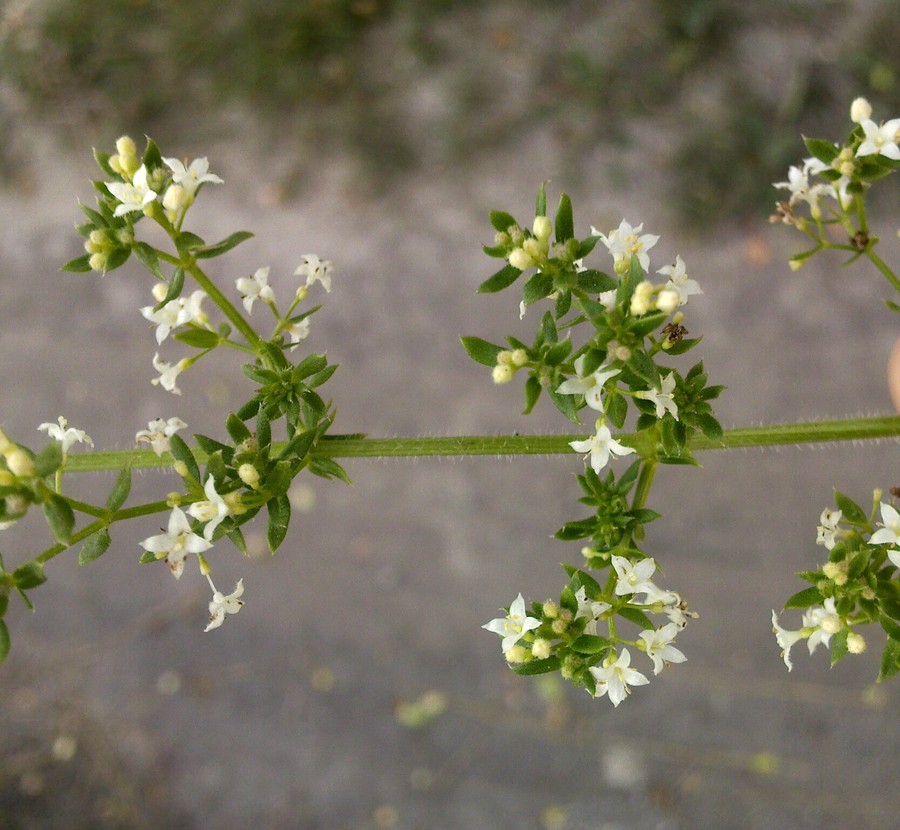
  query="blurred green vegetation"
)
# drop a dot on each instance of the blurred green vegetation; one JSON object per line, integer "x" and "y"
{"x": 722, "y": 87}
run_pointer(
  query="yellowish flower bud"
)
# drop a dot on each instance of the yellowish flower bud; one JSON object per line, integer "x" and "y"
{"x": 302, "y": 293}
{"x": 519, "y": 259}
{"x": 505, "y": 358}
{"x": 181, "y": 468}
{"x": 836, "y": 572}
{"x": 559, "y": 626}
{"x": 517, "y": 654}
{"x": 519, "y": 358}
{"x": 502, "y": 373}
{"x": 204, "y": 565}
{"x": 19, "y": 463}
{"x": 249, "y": 475}
{"x": 98, "y": 262}
{"x": 622, "y": 353}
{"x": 535, "y": 248}
{"x": 542, "y": 228}
{"x": 550, "y": 610}
{"x": 541, "y": 648}
{"x": 668, "y": 300}
{"x": 125, "y": 146}
{"x": 860, "y": 110}
{"x": 847, "y": 168}
{"x": 867, "y": 593}
{"x": 796, "y": 264}
{"x": 176, "y": 198}
{"x": 856, "y": 644}
{"x": 235, "y": 503}
{"x": 6, "y": 478}
{"x": 173, "y": 499}
{"x": 159, "y": 291}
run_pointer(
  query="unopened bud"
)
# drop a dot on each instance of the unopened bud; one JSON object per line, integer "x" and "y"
{"x": 542, "y": 228}
{"x": 19, "y": 463}
{"x": 501, "y": 239}
{"x": 668, "y": 300}
{"x": 5, "y": 443}
{"x": 176, "y": 198}
{"x": 302, "y": 293}
{"x": 159, "y": 290}
{"x": 503, "y": 373}
{"x": 534, "y": 248}
{"x": 860, "y": 110}
{"x": 795, "y": 264}
{"x": 517, "y": 654}
{"x": 559, "y": 626}
{"x": 855, "y": 643}
{"x": 173, "y": 499}
{"x": 204, "y": 565}
{"x": 98, "y": 262}
{"x": 181, "y": 468}
{"x": 836, "y": 572}
{"x": 831, "y": 624}
{"x": 249, "y": 475}
{"x": 622, "y": 353}
{"x": 519, "y": 358}
{"x": 550, "y": 610}
{"x": 541, "y": 648}
{"x": 235, "y": 503}
{"x": 519, "y": 259}
{"x": 847, "y": 168}
{"x": 867, "y": 593}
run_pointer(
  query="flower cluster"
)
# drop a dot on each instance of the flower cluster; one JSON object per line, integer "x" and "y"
{"x": 855, "y": 587}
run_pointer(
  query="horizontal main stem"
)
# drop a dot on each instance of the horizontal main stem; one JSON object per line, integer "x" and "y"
{"x": 856, "y": 429}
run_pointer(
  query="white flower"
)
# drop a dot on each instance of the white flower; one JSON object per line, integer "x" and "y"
{"x": 177, "y": 312}
{"x": 880, "y": 140}
{"x": 607, "y": 299}
{"x": 679, "y": 280}
{"x": 212, "y": 511}
{"x": 827, "y": 528}
{"x": 624, "y": 242}
{"x": 662, "y": 398}
{"x": 135, "y": 195}
{"x": 168, "y": 374}
{"x": 192, "y": 176}
{"x": 298, "y": 331}
{"x": 176, "y": 543}
{"x": 65, "y": 436}
{"x": 159, "y": 432}
{"x": 786, "y": 640}
{"x": 254, "y": 288}
{"x": 601, "y": 446}
{"x": 615, "y": 677}
{"x": 825, "y": 620}
{"x": 222, "y": 605}
{"x": 633, "y": 578}
{"x": 592, "y": 609}
{"x": 314, "y": 269}
{"x": 659, "y": 646}
{"x": 801, "y": 189}
{"x": 514, "y": 625}
{"x": 890, "y": 529}
{"x": 591, "y": 386}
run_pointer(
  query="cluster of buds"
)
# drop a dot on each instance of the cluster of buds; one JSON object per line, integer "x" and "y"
{"x": 508, "y": 363}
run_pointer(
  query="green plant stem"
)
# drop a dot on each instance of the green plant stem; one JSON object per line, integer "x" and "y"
{"x": 337, "y": 446}
{"x": 233, "y": 315}
{"x": 881, "y": 265}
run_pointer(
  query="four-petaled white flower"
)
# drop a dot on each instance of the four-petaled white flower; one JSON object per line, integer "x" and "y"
{"x": 298, "y": 331}
{"x": 591, "y": 386}
{"x": 799, "y": 185}
{"x": 659, "y": 646}
{"x": 786, "y": 640}
{"x": 177, "y": 312}
{"x": 176, "y": 543}
{"x": 601, "y": 446}
{"x": 615, "y": 676}
{"x": 880, "y": 140}
{"x": 679, "y": 280}
{"x": 825, "y": 620}
{"x": 624, "y": 242}
{"x": 168, "y": 374}
{"x": 192, "y": 176}
{"x": 592, "y": 609}
{"x": 66, "y": 436}
{"x": 889, "y": 533}
{"x": 633, "y": 578}
{"x": 134, "y": 195}
{"x": 212, "y": 510}
{"x": 514, "y": 625}
{"x": 827, "y": 528}
{"x": 662, "y": 398}
{"x": 159, "y": 432}
{"x": 222, "y": 605}
{"x": 255, "y": 288}
{"x": 313, "y": 268}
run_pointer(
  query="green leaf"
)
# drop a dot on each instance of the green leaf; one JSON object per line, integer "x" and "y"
{"x": 481, "y": 351}
{"x": 198, "y": 338}
{"x": 49, "y": 459}
{"x": 565, "y": 224}
{"x": 502, "y": 221}
{"x": 120, "y": 490}
{"x": 237, "y": 429}
{"x": 537, "y": 287}
{"x": 182, "y": 452}
{"x": 146, "y": 255}
{"x": 533, "y": 391}
{"x": 211, "y": 446}
{"x": 709, "y": 426}
{"x": 683, "y": 346}
{"x": 279, "y": 519}
{"x": 147, "y": 557}
{"x": 176, "y": 285}
{"x": 805, "y": 598}
{"x": 644, "y": 325}
{"x": 187, "y": 241}
{"x": 851, "y": 512}
{"x": 219, "y": 248}
{"x": 641, "y": 364}
{"x": 505, "y": 277}
{"x": 890, "y": 659}
{"x": 102, "y": 160}
{"x": 558, "y": 353}
{"x": 79, "y": 265}
{"x": 60, "y": 518}
{"x": 328, "y": 468}
{"x": 310, "y": 364}
{"x": 618, "y": 410}
{"x": 152, "y": 157}
{"x": 29, "y": 575}
{"x": 4, "y": 641}
{"x": 263, "y": 430}
{"x": 94, "y": 546}
{"x": 540, "y": 202}
{"x": 596, "y": 281}
{"x": 823, "y": 150}
{"x": 839, "y": 646}
{"x": 536, "y": 666}
{"x": 565, "y": 404}
{"x": 636, "y": 616}
{"x": 590, "y": 644}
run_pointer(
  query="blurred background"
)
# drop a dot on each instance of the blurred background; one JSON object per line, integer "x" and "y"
{"x": 356, "y": 689}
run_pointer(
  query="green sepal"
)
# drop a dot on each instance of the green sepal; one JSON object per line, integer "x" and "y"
{"x": 4, "y": 641}
{"x": 94, "y": 546}
{"x": 839, "y": 646}
{"x": 890, "y": 660}
{"x": 146, "y": 255}
{"x": 147, "y": 557}
{"x": 279, "y": 518}
{"x": 259, "y": 375}
{"x": 182, "y": 452}
{"x": 29, "y": 575}
{"x": 644, "y": 515}
{"x": 636, "y": 616}
{"x": 60, "y": 517}
{"x": 590, "y": 644}
{"x": 536, "y": 666}
{"x": 805, "y": 598}
{"x": 237, "y": 429}
{"x": 571, "y": 531}
{"x": 480, "y": 350}
{"x": 540, "y": 201}
{"x": 851, "y": 512}
{"x": 120, "y": 490}
{"x": 565, "y": 224}
{"x": 198, "y": 338}
{"x": 49, "y": 459}
{"x": 176, "y": 285}
{"x": 505, "y": 277}
{"x": 79, "y": 265}
{"x": 219, "y": 248}
{"x": 533, "y": 390}
{"x": 617, "y": 410}
{"x": 117, "y": 259}
{"x": 501, "y": 220}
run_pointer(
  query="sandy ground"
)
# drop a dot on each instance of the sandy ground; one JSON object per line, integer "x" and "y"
{"x": 286, "y": 717}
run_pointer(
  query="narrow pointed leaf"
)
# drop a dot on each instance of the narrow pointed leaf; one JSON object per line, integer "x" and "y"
{"x": 94, "y": 546}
